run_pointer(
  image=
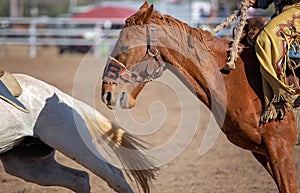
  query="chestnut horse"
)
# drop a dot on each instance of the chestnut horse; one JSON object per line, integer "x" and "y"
{"x": 149, "y": 41}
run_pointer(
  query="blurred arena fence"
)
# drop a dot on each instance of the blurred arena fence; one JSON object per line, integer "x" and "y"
{"x": 71, "y": 35}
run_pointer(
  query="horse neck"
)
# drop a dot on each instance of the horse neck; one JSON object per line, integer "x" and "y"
{"x": 194, "y": 59}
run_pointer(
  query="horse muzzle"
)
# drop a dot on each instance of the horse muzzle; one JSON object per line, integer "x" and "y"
{"x": 115, "y": 101}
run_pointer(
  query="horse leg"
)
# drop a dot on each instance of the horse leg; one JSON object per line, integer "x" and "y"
{"x": 79, "y": 152}
{"x": 69, "y": 142}
{"x": 280, "y": 157}
{"x": 44, "y": 170}
{"x": 65, "y": 130}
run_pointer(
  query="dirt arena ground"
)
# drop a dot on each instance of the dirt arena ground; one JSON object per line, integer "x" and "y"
{"x": 225, "y": 168}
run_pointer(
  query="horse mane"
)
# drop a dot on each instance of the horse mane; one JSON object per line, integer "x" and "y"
{"x": 203, "y": 36}
{"x": 174, "y": 22}
{"x": 116, "y": 141}
{"x": 203, "y": 41}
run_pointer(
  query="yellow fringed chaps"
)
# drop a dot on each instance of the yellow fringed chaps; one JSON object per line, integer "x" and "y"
{"x": 271, "y": 45}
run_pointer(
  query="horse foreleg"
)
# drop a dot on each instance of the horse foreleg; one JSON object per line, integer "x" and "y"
{"x": 282, "y": 166}
{"x": 44, "y": 170}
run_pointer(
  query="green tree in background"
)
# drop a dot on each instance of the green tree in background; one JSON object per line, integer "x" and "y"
{"x": 50, "y": 8}
{"x": 4, "y": 8}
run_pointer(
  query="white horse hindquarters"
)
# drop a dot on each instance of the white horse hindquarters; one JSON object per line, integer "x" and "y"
{"x": 58, "y": 120}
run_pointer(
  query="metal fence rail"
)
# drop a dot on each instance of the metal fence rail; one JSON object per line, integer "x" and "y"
{"x": 68, "y": 32}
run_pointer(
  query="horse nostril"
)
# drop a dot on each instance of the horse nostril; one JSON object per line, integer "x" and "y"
{"x": 107, "y": 97}
{"x": 123, "y": 100}
{"x": 123, "y": 96}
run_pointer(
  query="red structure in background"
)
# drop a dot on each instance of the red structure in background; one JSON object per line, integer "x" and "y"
{"x": 106, "y": 12}
{"x": 113, "y": 17}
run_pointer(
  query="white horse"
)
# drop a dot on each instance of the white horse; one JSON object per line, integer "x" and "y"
{"x": 57, "y": 121}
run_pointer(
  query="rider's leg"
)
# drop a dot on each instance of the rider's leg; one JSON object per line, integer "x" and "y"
{"x": 270, "y": 51}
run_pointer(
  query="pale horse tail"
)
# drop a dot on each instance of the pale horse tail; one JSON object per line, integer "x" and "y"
{"x": 115, "y": 141}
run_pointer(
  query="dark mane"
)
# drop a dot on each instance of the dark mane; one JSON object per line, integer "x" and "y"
{"x": 174, "y": 22}
{"x": 164, "y": 19}
{"x": 212, "y": 43}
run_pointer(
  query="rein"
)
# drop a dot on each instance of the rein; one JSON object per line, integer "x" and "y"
{"x": 116, "y": 72}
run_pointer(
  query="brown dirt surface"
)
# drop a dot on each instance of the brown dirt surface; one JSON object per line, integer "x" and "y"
{"x": 225, "y": 168}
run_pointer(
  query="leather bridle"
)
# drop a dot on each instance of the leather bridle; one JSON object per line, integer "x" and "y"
{"x": 116, "y": 72}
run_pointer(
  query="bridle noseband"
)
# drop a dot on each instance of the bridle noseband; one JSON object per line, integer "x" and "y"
{"x": 116, "y": 72}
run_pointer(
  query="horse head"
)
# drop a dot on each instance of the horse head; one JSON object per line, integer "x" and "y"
{"x": 135, "y": 60}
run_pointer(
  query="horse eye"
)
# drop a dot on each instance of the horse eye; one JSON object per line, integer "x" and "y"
{"x": 124, "y": 48}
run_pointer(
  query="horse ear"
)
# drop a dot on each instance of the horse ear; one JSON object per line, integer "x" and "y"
{"x": 148, "y": 14}
{"x": 145, "y": 16}
{"x": 145, "y": 5}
